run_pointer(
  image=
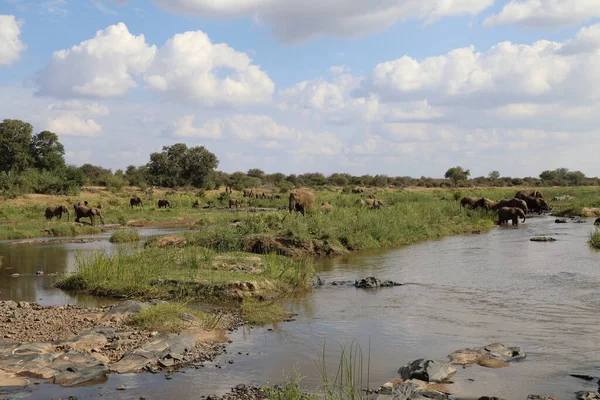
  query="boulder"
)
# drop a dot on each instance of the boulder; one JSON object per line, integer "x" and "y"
{"x": 585, "y": 395}
{"x": 76, "y": 374}
{"x": 482, "y": 355}
{"x": 427, "y": 371}
{"x": 127, "y": 307}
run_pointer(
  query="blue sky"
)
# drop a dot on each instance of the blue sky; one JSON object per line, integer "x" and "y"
{"x": 397, "y": 87}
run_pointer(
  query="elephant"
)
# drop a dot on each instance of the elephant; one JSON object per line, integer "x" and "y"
{"x": 510, "y": 213}
{"x": 196, "y": 204}
{"x": 86, "y": 212}
{"x": 358, "y": 190}
{"x": 484, "y": 203}
{"x": 99, "y": 206}
{"x": 234, "y": 203}
{"x": 536, "y": 204}
{"x": 524, "y": 194}
{"x": 56, "y": 212}
{"x": 302, "y": 200}
{"x": 248, "y": 193}
{"x": 277, "y": 196}
{"x": 597, "y": 221}
{"x": 361, "y": 203}
{"x": 81, "y": 204}
{"x": 326, "y": 207}
{"x": 374, "y": 203}
{"x": 510, "y": 203}
{"x": 469, "y": 201}
{"x": 136, "y": 201}
{"x": 163, "y": 203}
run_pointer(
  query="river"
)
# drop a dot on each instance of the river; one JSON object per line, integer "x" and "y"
{"x": 462, "y": 291}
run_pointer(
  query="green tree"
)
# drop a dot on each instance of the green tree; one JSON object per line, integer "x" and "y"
{"x": 95, "y": 175}
{"x": 178, "y": 165}
{"x": 256, "y": 173}
{"x": 494, "y": 175}
{"x": 457, "y": 174}
{"x": 15, "y": 139}
{"x": 47, "y": 152}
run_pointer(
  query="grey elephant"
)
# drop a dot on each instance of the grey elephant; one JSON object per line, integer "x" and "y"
{"x": 469, "y": 201}
{"x": 302, "y": 200}
{"x": 57, "y": 212}
{"x": 523, "y": 194}
{"x": 510, "y": 203}
{"x": 87, "y": 212}
{"x": 164, "y": 203}
{"x": 135, "y": 201}
{"x": 536, "y": 204}
{"x": 506, "y": 214}
{"x": 81, "y": 204}
{"x": 485, "y": 204}
{"x": 374, "y": 203}
{"x": 361, "y": 203}
{"x": 326, "y": 207}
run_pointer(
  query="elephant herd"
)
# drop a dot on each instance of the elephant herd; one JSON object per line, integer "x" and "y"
{"x": 510, "y": 209}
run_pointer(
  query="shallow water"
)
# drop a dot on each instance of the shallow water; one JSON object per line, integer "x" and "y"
{"x": 463, "y": 291}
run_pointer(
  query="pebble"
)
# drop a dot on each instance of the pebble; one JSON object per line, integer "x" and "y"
{"x": 121, "y": 388}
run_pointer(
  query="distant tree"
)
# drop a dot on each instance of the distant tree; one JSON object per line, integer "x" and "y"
{"x": 47, "y": 152}
{"x": 136, "y": 176}
{"x": 338, "y": 179}
{"x": 457, "y": 174}
{"x": 178, "y": 165}
{"x": 15, "y": 140}
{"x": 256, "y": 173}
{"x": 494, "y": 175}
{"x": 95, "y": 175}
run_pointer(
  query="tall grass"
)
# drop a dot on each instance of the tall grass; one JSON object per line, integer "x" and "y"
{"x": 125, "y": 236}
{"x": 349, "y": 380}
{"x": 594, "y": 240}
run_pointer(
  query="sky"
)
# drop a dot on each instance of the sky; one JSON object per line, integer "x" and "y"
{"x": 395, "y": 87}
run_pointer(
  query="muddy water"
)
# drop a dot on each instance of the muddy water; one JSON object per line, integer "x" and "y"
{"x": 53, "y": 257}
{"x": 462, "y": 291}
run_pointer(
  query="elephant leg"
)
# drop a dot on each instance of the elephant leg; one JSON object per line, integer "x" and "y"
{"x": 92, "y": 220}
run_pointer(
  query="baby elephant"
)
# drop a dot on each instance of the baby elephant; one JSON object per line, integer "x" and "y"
{"x": 56, "y": 212}
{"x": 164, "y": 204}
{"x": 510, "y": 213}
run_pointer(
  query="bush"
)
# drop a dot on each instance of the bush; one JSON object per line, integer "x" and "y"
{"x": 125, "y": 236}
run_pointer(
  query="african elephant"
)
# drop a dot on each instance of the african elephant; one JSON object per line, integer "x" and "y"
{"x": 302, "y": 200}
{"x": 597, "y": 221}
{"x": 510, "y": 213}
{"x": 57, "y": 212}
{"x": 469, "y": 201}
{"x": 163, "y": 203}
{"x": 81, "y": 204}
{"x": 86, "y": 212}
{"x": 361, "y": 203}
{"x": 234, "y": 203}
{"x": 484, "y": 203}
{"x": 536, "y": 204}
{"x": 135, "y": 201}
{"x": 358, "y": 190}
{"x": 326, "y": 207}
{"x": 510, "y": 203}
{"x": 374, "y": 203}
{"x": 522, "y": 194}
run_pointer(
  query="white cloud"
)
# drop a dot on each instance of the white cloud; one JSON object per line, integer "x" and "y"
{"x": 100, "y": 67}
{"x": 72, "y": 125}
{"x": 545, "y": 13}
{"x": 10, "y": 43}
{"x": 296, "y": 20}
{"x": 184, "y": 128}
{"x": 80, "y": 107}
{"x": 191, "y": 67}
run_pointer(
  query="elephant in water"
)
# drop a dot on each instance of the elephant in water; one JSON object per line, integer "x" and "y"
{"x": 302, "y": 200}
{"x": 510, "y": 213}
{"x": 511, "y": 203}
{"x": 57, "y": 212}
{"x": 524, "y": 194}
{"x": 536, "y": 204}
{"x": 135, "y": 201}
{"x": 164, "y": 203}
{"x": 86, "y": 212}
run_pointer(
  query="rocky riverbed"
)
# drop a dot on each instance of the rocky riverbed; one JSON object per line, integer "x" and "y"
{"x": 69, "y": 345}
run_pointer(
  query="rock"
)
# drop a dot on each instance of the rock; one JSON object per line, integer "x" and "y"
{"x": 412, "y": 389}
{"x": 427, "y": 371}
{"x": 372, "y": 282}
{"x": 542, "y": 239}
{"x": 317, "y": 281}
{"x": 121, "y": 388}
{"x": 15, "y": 275}
{"x": 479, "y": 355}
{"x": 342, "y": 283}
{"x": 490, "y": 398}
{"x": 560, "y": 221}
{"x": 39, "y": 273}
{"x": 241, "y": 387}
{"x": 585, "y": 395}
{"x": 540, "y": 397}
{"x": 584, "y": 377}
{"x": 127, "y": 307}
{"x": 8, "y": 379}
{"x": 76, "y": 374}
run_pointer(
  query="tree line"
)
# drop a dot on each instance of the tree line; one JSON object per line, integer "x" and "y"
{"x": 35, "y": 164}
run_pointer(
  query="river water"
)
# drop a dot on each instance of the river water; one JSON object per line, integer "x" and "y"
{"x": 463, "y": 291}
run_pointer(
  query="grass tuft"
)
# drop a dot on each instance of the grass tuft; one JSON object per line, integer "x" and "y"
{"x": 595, "y": 239}
{"x": 164, "y": 317}
{"x": 125, "y": 236}
{"x": 257, "y": 312}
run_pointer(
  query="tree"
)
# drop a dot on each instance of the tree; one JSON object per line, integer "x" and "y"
{"x": 457, "y": 174}
{"x": 256, "y": 173}
{"x": 494, "y": 175}
{"x": 178, "y": 165}
{"x": 15, "y": 139}
{"x": 47, "y": 152}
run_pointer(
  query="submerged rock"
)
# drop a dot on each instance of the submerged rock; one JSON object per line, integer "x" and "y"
{"x": 561, "y": 221}
{"x": 128, "y": 307}
{"x": 585, "y": 395}
{"x": 542, "y": 239}
{"x": 372, "y": 282}
{"x": 486, "y": 356}
{"x": 427, "y": 370}
{"x": 411, "y": 389}
{"x": 540, "y": 397}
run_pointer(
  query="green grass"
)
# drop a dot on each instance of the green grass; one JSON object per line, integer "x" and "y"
{"x": 595, "y": 239}
{"x": 290, "y": 389}
{"x": 189, "y": 273}
{"x": 125, "y": 236}
{"x": 261, "y": 313}
{"x": 163, "y": 317}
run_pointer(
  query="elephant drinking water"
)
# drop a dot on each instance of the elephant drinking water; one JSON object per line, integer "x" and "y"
{"x": 510, "y": 213}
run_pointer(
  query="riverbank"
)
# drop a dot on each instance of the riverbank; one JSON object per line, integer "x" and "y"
{"x": 70, "y": 345}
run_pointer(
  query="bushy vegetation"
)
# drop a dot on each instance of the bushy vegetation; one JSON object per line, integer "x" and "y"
{"x": 170, "y": 317}
{"x": 125, "y": 236}
{"x": 595, "y": 239}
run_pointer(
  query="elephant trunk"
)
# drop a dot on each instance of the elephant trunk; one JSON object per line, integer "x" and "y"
{"x": 524, "y": 218}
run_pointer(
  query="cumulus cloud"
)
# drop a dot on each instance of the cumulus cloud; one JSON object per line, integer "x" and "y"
{"x": 506, "y": 73}
{"x": 100, "y": 67}
{"x": 296, "y": 20}
{"x": 11, "y": 45}
{"x": 190, "y": 66}
{"x": 184, "y": 128}
{"x": 76, "y": 106}
{"x": 545, "y": 13}
{"x": 72, "y": 125}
